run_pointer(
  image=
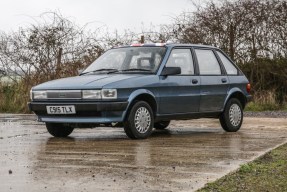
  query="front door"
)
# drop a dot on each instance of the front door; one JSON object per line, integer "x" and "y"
{"x": 180, "y": 93}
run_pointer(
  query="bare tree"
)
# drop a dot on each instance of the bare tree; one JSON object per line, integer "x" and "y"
{"x": 252, "y": 32}
{"x": 51, "y": 49}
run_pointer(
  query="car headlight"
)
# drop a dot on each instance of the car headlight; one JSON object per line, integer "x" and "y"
{"x": 91, "y": 94}
{"x": 99, "y": 94}
{"x": 109, "y": 93}
{"x": 39, "y": 95}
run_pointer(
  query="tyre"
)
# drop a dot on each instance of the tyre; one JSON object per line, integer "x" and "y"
{"x": 161, "y": 124}
{"x": 59, "y": 129}
{"x": 232, "y": 116}
{"x": 140, "y": 121}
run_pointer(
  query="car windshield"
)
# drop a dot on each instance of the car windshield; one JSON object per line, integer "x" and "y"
{"x": 128, "y": 60}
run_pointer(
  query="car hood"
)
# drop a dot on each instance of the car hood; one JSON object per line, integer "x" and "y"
{"x": 85, "y": 81}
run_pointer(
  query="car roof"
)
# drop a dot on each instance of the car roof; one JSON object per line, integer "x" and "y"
{"x": 171, "y": 45}
{"x": 190, "y": 45}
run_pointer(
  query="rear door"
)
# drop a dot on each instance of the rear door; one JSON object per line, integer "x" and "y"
{"x": 214, "y": 82}
{"x": 180, "y": 93}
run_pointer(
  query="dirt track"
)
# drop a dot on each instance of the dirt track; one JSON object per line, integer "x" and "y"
{"x": 182, "y": 158}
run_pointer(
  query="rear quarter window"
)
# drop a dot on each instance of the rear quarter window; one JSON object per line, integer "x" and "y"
{"x": 229, "y": 67}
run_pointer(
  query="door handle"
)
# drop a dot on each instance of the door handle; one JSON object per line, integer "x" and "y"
{"x": 194, "y": 81}
{"x": 223, "y": 80}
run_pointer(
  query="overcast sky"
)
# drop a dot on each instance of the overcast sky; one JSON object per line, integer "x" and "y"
{"x": 115, "y": 14}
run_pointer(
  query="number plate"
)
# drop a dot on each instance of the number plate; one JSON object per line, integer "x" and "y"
{"x": 68, "y": 109}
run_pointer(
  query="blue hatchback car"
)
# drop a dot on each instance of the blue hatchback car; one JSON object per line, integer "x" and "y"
{"x": 144, "y": 86}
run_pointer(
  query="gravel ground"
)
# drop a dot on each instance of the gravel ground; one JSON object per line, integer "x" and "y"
{"x": 266, "y": 114}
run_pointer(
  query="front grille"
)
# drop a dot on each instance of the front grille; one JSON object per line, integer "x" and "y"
{"x": 64, "y": 94}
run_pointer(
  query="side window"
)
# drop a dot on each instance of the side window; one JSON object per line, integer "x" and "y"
{"x": 208, "y": 64}
{"x": 229, "y": 67}
{"x": 181, "y": 58}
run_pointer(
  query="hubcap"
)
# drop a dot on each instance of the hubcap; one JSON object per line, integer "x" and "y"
{"x": 142, "y": 120}
{"x": 235, "y": 115}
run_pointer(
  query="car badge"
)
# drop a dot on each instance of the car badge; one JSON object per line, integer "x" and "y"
{"x": 62, "y": 94}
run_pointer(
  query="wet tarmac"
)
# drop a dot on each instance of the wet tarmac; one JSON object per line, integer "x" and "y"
{"x": 182, "y": 158}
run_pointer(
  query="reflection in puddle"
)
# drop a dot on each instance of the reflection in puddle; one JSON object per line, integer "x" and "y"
{"x": 168, "y": 157}
{"x": 181, "y": 158}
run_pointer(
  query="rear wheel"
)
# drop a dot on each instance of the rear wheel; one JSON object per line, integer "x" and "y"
{"x": 140, "y": 120}
{"x": 232, "y": 116}
{"x": 161, "y": 124}
{"x": 59, "y": 129}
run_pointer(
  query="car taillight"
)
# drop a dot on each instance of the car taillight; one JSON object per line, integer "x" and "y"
{"x": 248, "y": 88}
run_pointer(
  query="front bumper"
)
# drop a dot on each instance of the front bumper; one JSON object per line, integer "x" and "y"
{"x": 86, "y": 112}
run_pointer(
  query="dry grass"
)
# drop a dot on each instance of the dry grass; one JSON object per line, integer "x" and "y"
{"x": 14, "y": 98}
{"x": 265, "y": 101}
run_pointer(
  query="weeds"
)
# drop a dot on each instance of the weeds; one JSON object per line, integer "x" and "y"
{"x": 14, "y": 98}
{"x": 265, "y": 101}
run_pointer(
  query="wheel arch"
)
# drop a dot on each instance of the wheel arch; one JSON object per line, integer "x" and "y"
{"x": 238, "y": 94}
{"x": 141, "y": 95}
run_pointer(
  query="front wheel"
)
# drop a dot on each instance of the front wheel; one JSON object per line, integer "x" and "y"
{"x": 59, "y": 129}
{"x": 140, "y": 120}
{"x": 232, "y": 116}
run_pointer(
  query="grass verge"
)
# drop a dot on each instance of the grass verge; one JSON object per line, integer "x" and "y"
{"x": 267, "y": 173}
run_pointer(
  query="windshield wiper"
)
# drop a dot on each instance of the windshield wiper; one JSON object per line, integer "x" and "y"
{"x": 137, "y": 69}
{"x": 99, "y": 70}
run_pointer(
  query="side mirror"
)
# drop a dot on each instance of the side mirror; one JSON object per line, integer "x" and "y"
{"x": 171, "y": 71}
